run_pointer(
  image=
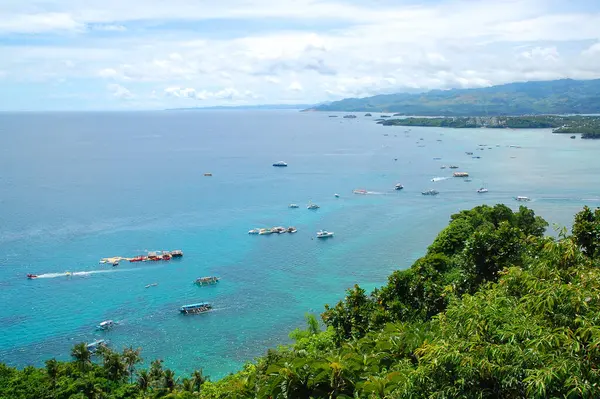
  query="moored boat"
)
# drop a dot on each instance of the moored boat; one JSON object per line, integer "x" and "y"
{"x": 265, "y": 232}
{"x": 293, "y": 206}
{"x": 398, "y": 186}
{"x": 280, "y": 164}
{"x": 430, "y": 192}
{"x": 522, "y": 198}
{"x": 207, "y": 280}
{"x": 460, "y": 174}
{"x": 195, "y": 308}
{"x": 106, "y": 325}
{"x": 312, "y": 206}
{"x": 336, "y": 195}
{"x": 292, "y": 229}
{"x": 254, "y": 231}
{"x": 482, "y": 190}
{"x": 97, "y": 344}
{"x": 324, "y": 234}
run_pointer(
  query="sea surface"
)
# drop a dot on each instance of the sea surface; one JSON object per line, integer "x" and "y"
{"x": 77, "y": 187}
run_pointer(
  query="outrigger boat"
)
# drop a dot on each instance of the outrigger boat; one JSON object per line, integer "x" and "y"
{"x": 196, "y": 308}
{"x": 398, "y": 186}
{"x": 430, "y": 192}
{"x": 97, "y": 344}
{"x": 106, "y": 325}
{"x": 207, "y": 280}
{"x": 254, "y": 231}
{"x": 312, "y": 206}
{"x": 293, "y": 206}
{"x": 522, "y": 199}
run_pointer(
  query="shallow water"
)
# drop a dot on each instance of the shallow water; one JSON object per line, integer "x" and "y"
{"x": 75, "y": 188}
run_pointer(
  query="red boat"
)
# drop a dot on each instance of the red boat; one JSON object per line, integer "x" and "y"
{"x": 138, "y": 259}
{"x": 31, "y": 276}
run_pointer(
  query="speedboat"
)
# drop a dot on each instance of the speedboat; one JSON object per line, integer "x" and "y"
{"x": 280, "y": 164}
{"x": 293, "y": 206}
{"x": 292, "y": 229}
{"x": 254, "y": 231}
{"x": 398, "y": 186}
{"x": 336, "y": 195}
{"x": 152, "y": 285}
{"x": 430, "y": 192}
{"x": 32, "y": 276}
{"x": 312, "y": 206}
{"x": 360, "y": 191}
{"x": 324, "y": 234}
{"x": 482, "y": 190}
{"x": 523, "y": 199}
{"x": 106, "y": 325}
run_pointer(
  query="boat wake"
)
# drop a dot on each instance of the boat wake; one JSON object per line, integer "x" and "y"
{"x": 85, "y": 273}
{"x": 439, "y": 178}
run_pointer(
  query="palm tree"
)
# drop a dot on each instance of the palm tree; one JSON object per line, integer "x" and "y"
{"x": 187, "y": 385}
{"x": 82, "y": 355}
{"x": 52, "y": 370}
{"x": 132, "y": 357}
{"x": 114, "y": 366}
{"x": 170, "y": 381}
{"x": 156, "y": 372}
{"x": 198, "y": 379}
{"x": 143, "y": 380}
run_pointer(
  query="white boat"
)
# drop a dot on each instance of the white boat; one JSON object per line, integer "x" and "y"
{"x": 254, "y": 231}
{"x": 336, "y": 195}
{"x": 430, "y": 192}
{"x": 280, "y": 164}
{"x": 312, "y": 206}
{"x": 152, "y": 285}
{"x": 324, "y": 234}
{"x": 293, "y": 206}
{"x": 482, "y": 190}
{"x": 106, "y": 325}
{"x": 523, "y": 199}
{"x": 97, "y": 344}
{"x": 265, "y": 231}
{"x": 398, "y": 186}
{"x": 292, "y": 229}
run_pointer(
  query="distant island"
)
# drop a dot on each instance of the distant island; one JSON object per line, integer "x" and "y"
{"x": 589, "y": 126}
{"x": 557, "y": 97}
{"x": 247, "y": 107}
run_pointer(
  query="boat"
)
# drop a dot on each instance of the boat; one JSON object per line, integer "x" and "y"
{"x": 292, "y": 229}
{"x": 115, "y": 263}
{"x": 293, "y": 206}
{"x": 279, "y": 230}
{"x": 477, "y": 157}
{"x": 368, "y": 114}
{"x": 265, "y": 232}
{"x": 97, "y": 344}
{"x": 333, "y": 116}
{"x": 460, "y": 174}
{"x": 437, "y": 158}
{"x": 430, "y": 192}
{"x": 196, "y": 308}
{"x": 32, "y": 276}
{"x": 140, "y": 258}
{"x": 106, "y": 325}
{"x": 312, "y": 206}
{"x": 398, "y": 186}
{"x": 208, "y": 174}
{"x": 178, "y": 253}
{"x": 68, "y": 274}
{"x": 573, "y": 137}
{"x": 280, "y": 164}
{"x": 336, "y": 195}
{"x": 349, "y": 116}
{"x": 207, "y": 280}
{"x": 360, "y": 191}
{"x": 482, "y": 190}
{"x": 254, "y": 231}
{"x": 453, "y": 167}
{"x": 469, "y": 153}
{"x": 443, "y": 167}
{"x": 152, "y": 285}
{"x": 324, "y": 234}
{"x": 523, "y": 199}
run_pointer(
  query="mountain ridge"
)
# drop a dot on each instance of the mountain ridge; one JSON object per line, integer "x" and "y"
{"x": 564, "y": 96}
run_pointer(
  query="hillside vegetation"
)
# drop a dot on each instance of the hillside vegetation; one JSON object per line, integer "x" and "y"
{"x": 547, "y": 97}
{"x": 493, "y": 310}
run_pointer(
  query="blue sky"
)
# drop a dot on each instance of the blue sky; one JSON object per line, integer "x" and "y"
{"x": 151, "y": 54}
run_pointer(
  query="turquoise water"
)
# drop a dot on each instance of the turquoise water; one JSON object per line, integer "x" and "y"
{"x": 78, "y": 187}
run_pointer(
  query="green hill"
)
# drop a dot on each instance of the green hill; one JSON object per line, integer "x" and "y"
{"x": 565, "y": 96}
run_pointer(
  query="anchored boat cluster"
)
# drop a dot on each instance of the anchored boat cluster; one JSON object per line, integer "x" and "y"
{"x": 151, "y": 256}
{"x": 273, "y": 230}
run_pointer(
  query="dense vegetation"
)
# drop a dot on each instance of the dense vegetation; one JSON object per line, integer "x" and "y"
{"x": 589, "y": 125}
{"x": 493, "y": 310}
{"x": 550, "y": 97}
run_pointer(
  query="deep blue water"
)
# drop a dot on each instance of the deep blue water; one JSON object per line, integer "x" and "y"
{"x": 77, "y": 187}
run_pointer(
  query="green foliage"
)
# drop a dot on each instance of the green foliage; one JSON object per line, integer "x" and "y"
{"x": 586, "y": 231}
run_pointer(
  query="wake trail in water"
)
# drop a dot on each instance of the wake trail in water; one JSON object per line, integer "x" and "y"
{"x": 84, "y": 273}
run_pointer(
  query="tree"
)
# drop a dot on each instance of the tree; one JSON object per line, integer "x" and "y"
{"x": 169, "y": 380}
{"x": 132, "y": 357}
{"x": 52, "y": 370}
{"x": 586, "y": 231}
{"x": 143, "y": 380}
{"x": 198, "y": 379}
{"x": 82, "y": 356}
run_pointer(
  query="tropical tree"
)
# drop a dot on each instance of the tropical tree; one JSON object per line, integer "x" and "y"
{"x": 143, "y": 380}
{"x": 170, "y": 380}
{"x": 82, "y": 356}
{"x": 198, "y": 379}
{"x": 132, "y": 357}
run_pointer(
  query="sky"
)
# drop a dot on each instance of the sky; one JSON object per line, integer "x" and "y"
{"x": 157, "y": 54}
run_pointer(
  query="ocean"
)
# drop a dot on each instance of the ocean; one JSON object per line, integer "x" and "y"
{"x": 78, "y": 187}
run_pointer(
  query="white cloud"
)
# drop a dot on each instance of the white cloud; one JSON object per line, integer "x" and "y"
{"x": 223, "y": 94}
{"x": 109, "y": 28}
{"x": 39, "y": 23}
{"x": 120, "y": 92}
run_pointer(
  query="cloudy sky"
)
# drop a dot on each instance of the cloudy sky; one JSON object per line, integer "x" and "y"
{"x": 154, "y": 54}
